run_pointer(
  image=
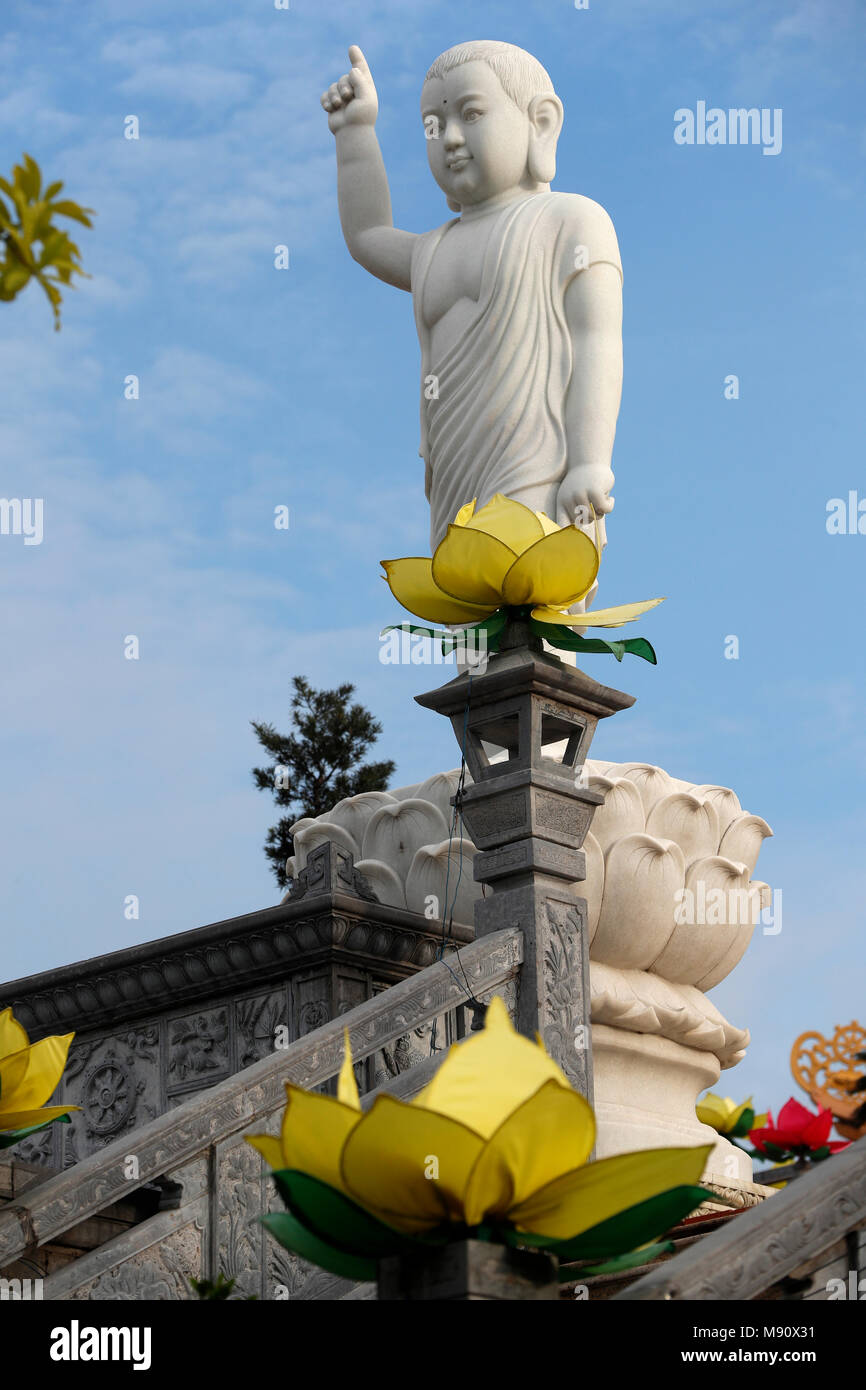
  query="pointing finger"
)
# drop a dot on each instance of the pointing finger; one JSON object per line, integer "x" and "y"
{"x": 357, "y": 59}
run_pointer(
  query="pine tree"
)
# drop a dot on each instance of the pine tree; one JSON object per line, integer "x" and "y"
{"x": 316, "y": 764}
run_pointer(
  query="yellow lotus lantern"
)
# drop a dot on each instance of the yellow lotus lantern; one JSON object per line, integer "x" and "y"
{"x": 726, "y": 1117}
{"x": 494, "y": 1147}
{"x": 29, "y": 1074}
{"x": 507, "y": 560}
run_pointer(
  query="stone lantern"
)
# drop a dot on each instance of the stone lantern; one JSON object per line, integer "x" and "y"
{"x": 525, "y": 725}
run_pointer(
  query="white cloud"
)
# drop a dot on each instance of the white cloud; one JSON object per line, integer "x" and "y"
{"x": 199, "y": 84}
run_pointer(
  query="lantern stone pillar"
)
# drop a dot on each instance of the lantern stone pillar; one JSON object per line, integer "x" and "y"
{"x": 528, "y": 814}
{"x": 469, "y": 1271}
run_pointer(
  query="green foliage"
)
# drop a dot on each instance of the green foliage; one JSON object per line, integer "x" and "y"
{"x": 32, "y": 247}
{"x": 561, "y": 637}
{"x": 745, "y": 1124}
{"x": 318, "y": 761}
{"x": 219, "y": 1288}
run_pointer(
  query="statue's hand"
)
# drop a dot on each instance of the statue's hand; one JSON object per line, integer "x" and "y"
{"x": 582, "y": 491}
{"x": 352, "y": 100}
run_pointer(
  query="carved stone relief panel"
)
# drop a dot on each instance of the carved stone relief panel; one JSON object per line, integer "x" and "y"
{"x": 116, "y": 1082}
{"x": 198, "y": 1049}
{"x": 312, "y": 1000}
{"x": 256, "y": 1022}
{"x": 160, "y": 1273}
{"x": 44, "y": 1149}
{"x": 240, "y": 1201}
{"x": 352, "y": 988}
{"x": 507, "y": 993}
{"x": 413, "y": 1047}
{"x": 565, "y": 991}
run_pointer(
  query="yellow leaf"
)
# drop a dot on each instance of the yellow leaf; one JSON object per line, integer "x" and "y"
{"x": 487, "y": 1076}
{"x": 24, "y": 1119}
{"x": 411, "y": 583}
{"x": 599, "y": 1190}
{"x": 269, "y": 1147}
{"x": 470, "y": 565}
{"x": 13, "y": 1036}
{"x": 600, "y": 617}
{"x": 347, "y": 1086}
{"x": 45, "y": 1063}
{"x": 409, "y": 1166}
{"x": 548, "y": 1135}
{"x": 508, "y": 521}
{"x": 557, "y": 570}
{"x": 314, "y": 1130}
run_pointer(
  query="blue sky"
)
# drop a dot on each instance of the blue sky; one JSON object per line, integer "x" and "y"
{"x": 261, "y": 387}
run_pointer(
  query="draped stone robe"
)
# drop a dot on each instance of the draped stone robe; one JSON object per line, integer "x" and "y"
{"x": 495, "y": 420}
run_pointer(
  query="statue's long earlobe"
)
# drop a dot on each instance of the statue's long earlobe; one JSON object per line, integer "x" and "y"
{"x": 542, "y": 163}
{"x": 545, "y": 117}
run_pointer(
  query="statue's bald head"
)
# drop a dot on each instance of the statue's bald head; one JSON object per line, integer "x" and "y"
{"x": 521, "y": 76}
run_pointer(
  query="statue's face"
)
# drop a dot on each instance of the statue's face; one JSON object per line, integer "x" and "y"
{"x": 477, "y": 138}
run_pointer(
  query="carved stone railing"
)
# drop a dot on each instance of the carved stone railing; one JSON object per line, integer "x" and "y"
{"x": 809, "y": 1235}
{"x": 200, "y": 1145}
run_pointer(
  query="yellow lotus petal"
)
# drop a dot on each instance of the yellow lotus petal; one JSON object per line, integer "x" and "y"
{"x": 470, "y": 565}
{"x": 46, "y": 1061}
{"x": 599, "y": 1190}
{"x": 347, "y": 1086}
{"x": 761, "y": 1120}
{"x": 714, "y": 1110}
{"x": 549, "y": 1135}
{"x": 23, "y": 1119}
{"x": 13, "y": 1036}
{"x": 314, "y": 1130}
{"x": 409, "y": 1166}
{"x": 508, "y": 521}
{"x": 557, "y": 570}
{"x": 737, "y": 1112}
{"x": 486, "y": 1077}
{"x": 269, "y": 1147}
{"x": 599, "y": 617}
{"x": 411, "y": 583}
{"x": 13, "y": 1069}
{"x": 465, "y": 513}
{"x": 548, "y": 525}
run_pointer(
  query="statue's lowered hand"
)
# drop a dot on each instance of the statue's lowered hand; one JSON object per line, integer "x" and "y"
{"x": 580, "y": 493}
{"x": 352, "y": 100}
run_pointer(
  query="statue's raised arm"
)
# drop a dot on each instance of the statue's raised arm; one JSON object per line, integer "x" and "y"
{"x": 365, "y": 200}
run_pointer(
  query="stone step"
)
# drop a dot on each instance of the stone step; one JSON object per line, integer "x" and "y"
{"x": 16, "y": 1178}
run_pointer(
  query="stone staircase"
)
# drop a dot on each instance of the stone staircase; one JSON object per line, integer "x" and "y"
{"x": 217, "y": 1184}
{"x": 180, "y": 1197}
{"x": 16, "y": 1179}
